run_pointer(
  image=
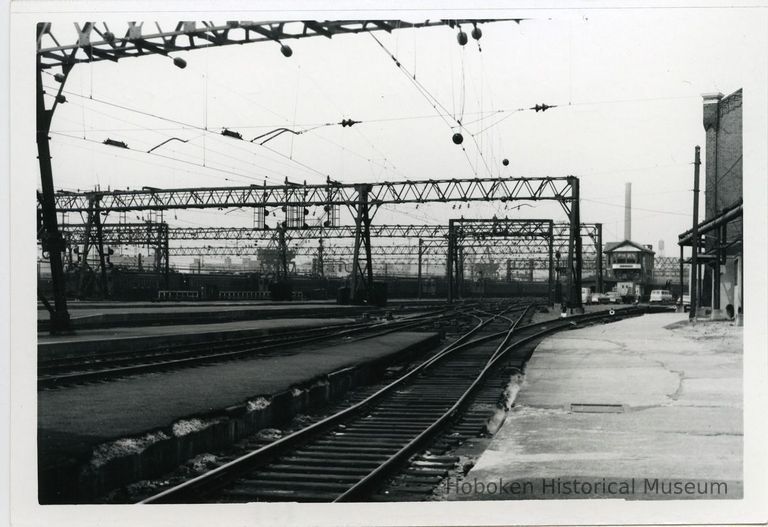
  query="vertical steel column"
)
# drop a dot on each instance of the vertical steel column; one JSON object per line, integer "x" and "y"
{"x": 574, "y": 248}
{"x": 360, "y": 286}
{"x": 52, "y": 241}
{"x": 449, "y": 261}
{"x": 695, "y": 237}
{"x": 100, "y": 249}
{"x": 320, "y": 263}
{"x": 282, "y": 272}
{"x": 716, "y": 272}
{"x": 682, "y": 284}
{"x": 86, "y": 249}
{"x": 459, "y": 271}
{"x": 167, "y": 255}
{"x": 599, "y": 247}
{"x": 418, "y": 280}
{"x": 551, "y": 265}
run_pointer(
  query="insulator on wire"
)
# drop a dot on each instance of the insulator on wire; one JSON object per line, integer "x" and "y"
{"x": 286, "y": 50}
{"x": 179, "y": 62}
{"x": 458, "y": 138}
{"x": 462, "y": 38}
{"x": 505, "y": 162}
{"x": 477, "y": 33}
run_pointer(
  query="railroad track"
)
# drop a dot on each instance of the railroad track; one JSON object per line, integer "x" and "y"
{"x": 96, "y": 368}
{"x": 348, "y": 455}
{"x": 392, "y": 444}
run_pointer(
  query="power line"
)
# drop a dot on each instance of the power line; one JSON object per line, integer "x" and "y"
{"x": 196, "y": 127}
{"x": 165, "y": 157}
{"x": 637, "y": 208}
{"x": 141, "y": 129}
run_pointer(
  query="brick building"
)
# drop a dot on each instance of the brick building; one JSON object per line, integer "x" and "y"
{"x": 720, "y": 255}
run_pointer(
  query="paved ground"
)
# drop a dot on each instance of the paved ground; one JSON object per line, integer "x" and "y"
{"x": 72, "y": 420}
{"x": 676, "y": 431}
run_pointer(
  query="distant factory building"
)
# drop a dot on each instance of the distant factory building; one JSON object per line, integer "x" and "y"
{"x": 720, "y": 252}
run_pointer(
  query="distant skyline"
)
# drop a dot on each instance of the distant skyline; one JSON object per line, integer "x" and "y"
{"x": 627, "y": 90}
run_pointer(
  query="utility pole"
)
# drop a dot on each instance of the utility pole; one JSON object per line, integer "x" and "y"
{"x": 695, "y": 237}
{"x": 599, "y": 263}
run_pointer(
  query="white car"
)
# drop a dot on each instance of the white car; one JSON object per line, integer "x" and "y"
{"x": 662, "y": 296}
{"x": 613, "y": 297}
{"x": 599, "y": 298}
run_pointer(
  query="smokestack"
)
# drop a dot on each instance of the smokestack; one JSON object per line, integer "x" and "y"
{"x": 628, "y": 211}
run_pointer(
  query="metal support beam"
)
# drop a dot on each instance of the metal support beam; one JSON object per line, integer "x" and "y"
{"x": 84, "y": 266}
{"x": 167, "y": 255}
{"x": 361, "y": 284}
{"x": 450, "y": 261}
{"x": 574, "y": 250}
{"x": 551, "y": 274}
{"x": 418, "y": 282}
{"x": 282, "y": 271}
{"x": 682, "y": 284}
{"x": 100, "y": 249}
{"x": 320, "y": 263}
{"x": 51, "y": 238}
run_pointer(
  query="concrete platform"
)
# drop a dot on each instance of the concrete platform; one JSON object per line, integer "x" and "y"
{"x": 119, "y": 339}
{"x": 154, "y": 315}
{"x": 100, "y": 305}
{"x": 645, "y": 408}
{"x": 85, "y": 428}
{"x": 93, "y": 315}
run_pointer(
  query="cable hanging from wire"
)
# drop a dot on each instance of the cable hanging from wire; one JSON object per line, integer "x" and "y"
{"x": 203, "y": 129}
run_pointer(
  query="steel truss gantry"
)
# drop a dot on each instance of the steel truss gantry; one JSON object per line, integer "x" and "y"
{"x": 94, "y": 43}
{"x": 494, "y": 229}
{"x": 438, "y": 249}
{"x": 137, "y": 233}
{"x": 362, "y": 199}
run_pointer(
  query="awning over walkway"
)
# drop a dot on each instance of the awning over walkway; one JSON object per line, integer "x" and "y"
{"x": 726, "y": 216}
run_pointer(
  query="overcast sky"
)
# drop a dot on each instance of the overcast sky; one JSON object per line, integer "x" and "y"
{"x": 628, "y": 90}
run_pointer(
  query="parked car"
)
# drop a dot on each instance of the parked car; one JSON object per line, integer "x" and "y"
{"x": 586, "y": 296}
{"x": 599, "y": 298}
{"x": 613, "y": 297}
{"x": 661, "y": 296}
{"x": 686, "y": 303}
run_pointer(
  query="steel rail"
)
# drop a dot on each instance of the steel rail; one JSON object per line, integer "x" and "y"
{"x": 215, "y": 480}
{"x": 375, "y": 477}
{"x": 120, "y": 371}
{"x": 222, "y": 475}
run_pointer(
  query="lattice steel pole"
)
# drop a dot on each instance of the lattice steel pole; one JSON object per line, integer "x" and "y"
{"x": 51, "y": 237}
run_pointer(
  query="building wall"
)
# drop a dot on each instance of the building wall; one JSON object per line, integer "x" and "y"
{"x": 723, "y": 163}
{"x": 722, "y": 118}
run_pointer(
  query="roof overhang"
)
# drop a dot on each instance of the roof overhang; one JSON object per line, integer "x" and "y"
{"x": 726, "y": 216}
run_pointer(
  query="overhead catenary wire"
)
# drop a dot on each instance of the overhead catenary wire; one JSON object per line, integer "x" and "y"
{"x": 191, "y": 139}
{"x": 224, "y": 171}
{"x": 202, "y": 128}
{"x": 431, "y": 99}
